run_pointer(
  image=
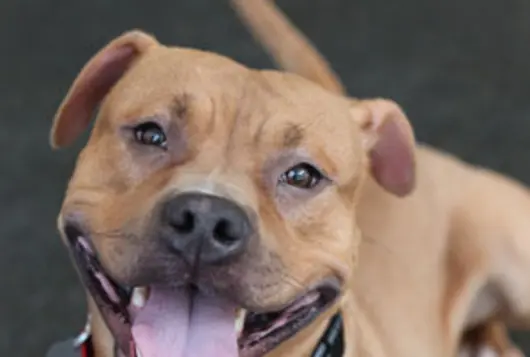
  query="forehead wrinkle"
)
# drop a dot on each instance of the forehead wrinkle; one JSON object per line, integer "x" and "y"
{"x": 270, "y": 95}
{"x": 293, "y": 135}
{"x": 250, "y": 114}
{"x": 236, "y": 118}
{"x": 228, "y": 137}
{"x": 258, "y": 134}
{"x": 180, "y": 106}
{"x": 212, "y": 119}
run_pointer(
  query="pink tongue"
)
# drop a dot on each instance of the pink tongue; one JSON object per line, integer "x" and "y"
{"x": 172, "y": 324}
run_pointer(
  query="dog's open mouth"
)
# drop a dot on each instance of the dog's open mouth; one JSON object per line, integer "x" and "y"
{"x": 161, "y": 322}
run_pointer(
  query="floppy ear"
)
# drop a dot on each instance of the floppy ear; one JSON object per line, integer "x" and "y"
{"x": 92, "y": 84}
{"x": 389, "y": 142}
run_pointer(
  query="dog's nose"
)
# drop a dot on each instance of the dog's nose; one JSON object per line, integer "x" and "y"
{"x": 206, "y": 229}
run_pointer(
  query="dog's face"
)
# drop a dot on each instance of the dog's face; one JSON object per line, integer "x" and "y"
{"x": 207, "y": 188}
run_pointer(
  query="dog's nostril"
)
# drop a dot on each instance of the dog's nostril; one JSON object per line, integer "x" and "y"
{"x": 184, "y": 222}
{"x": 224, "y": 232}
{"x": 205, "y": 227}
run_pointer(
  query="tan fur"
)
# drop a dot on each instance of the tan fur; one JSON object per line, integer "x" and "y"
{"x": 425, "y": 245}
{"x": 474, "y": 269}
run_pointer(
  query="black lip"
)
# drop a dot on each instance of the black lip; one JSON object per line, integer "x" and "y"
{"x": 328, "y": 291}
{"x": 87, "y": 264}
{"x": 116, "y": 315}
{"x": 91, "y": 262}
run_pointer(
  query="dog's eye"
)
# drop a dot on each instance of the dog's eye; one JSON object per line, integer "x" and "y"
{"x": 150, "y": 134}
{"x": 304, "y": 176}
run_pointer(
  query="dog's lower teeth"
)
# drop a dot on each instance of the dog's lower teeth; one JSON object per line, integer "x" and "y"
{"x": 140, "y": 296}
{"x": 138, "y": 353}
{"x": 240, "y": 320}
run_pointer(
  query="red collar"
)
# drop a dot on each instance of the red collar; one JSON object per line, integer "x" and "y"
{"x": 86, "y": 348}
{"x": 72, "y": 348}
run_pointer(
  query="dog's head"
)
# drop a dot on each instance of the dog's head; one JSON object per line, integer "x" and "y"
{"x": 207, "y": 189}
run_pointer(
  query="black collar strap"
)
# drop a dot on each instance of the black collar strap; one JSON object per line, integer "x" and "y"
{"x": 332, "y": 342}
{"x": 330, "y": 345}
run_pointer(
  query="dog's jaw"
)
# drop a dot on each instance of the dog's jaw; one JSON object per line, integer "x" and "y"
{"x": 165, "y": 320}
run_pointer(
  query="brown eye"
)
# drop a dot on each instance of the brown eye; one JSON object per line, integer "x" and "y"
{"x": 150, "y": 134}
{"x": 303, "y": 176}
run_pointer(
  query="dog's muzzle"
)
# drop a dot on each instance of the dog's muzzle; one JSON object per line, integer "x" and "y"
{"x": 182, "y": 321}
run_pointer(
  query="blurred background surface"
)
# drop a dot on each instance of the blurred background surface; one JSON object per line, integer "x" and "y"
{"x": 460, "y": 69}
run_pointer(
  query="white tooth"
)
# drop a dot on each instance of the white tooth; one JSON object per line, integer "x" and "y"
{"x": 240, "y": 320}
{"x": 138, "y": 353}
{"x": 140, "y": 296}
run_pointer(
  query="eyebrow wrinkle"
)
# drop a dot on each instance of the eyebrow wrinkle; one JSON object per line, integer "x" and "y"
{"x": 292, "y": 136}
{"x": 180, "y": 106}
{"x": 259, "y": 132}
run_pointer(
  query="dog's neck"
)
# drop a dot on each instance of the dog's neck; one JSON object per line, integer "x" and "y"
{"x": 359, "y": 335}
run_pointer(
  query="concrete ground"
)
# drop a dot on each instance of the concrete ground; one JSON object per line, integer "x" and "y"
{"x": 460, "y": 68}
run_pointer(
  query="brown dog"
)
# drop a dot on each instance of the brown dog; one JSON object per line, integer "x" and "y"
{"x": 293, "y": 51}
{"x": 211, "y": 195}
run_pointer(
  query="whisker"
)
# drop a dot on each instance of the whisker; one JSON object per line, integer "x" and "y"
{"x": 375, "y": 243}
{"x": 118, "y": 234}
{"x": 291, "y": 280}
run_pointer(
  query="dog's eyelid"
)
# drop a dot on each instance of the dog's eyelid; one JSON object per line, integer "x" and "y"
{"x": 141, "y": 132}
{"x": 324, "y": 173}
{"x": 325, "y": 166}
{"x": 321, "y": 170}
{"x": 159, "y": 120}
{"x": 317, "y": 178}
{"x": 330, "y": 179}
{"x": 289, "y": 159}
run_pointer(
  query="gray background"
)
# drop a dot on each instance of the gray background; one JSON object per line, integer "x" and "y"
{"x": 460, "y": 68}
